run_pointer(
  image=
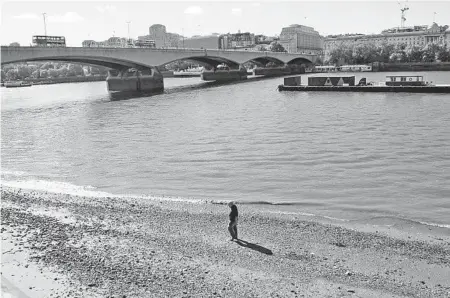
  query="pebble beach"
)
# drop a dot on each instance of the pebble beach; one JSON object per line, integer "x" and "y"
{"x": 57, "y": 245}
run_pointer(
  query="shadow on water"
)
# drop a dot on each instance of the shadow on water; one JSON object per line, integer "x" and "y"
{"x": 125, "y": 95}
{"x": 254, "y": 246}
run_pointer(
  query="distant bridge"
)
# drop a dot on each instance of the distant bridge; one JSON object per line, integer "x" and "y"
{"x": 122, "y": 58}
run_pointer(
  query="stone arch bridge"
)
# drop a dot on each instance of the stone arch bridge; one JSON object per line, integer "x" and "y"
{"x": 120, "y": 58}
{"x": 146, "y": 61}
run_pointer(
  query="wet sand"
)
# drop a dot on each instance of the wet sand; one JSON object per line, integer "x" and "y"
{"x": 127, "y": 247}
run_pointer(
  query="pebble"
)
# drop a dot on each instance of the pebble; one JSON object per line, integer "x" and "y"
{"x": 88, "y": 264}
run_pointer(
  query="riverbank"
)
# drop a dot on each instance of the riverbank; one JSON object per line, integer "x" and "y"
{"x": 412, "y": 66}
{"x": 50, "y": 81}
{"x": 97, "y": 246}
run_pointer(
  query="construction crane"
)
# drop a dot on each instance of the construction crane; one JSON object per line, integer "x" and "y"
{"x": 403, "y": 10}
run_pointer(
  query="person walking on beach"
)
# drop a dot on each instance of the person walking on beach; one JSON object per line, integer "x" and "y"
{"x": 232, "y": 227}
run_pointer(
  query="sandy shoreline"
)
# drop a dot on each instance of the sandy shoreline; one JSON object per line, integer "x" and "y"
{"x": 142, "y": 248}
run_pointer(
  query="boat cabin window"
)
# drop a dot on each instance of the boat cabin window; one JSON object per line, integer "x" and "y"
{"x": 404, "y": 78}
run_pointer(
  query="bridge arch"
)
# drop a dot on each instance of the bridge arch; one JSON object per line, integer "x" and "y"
{"x": 147, "y": 58}
{"x": 266, "y": 59}
{"x": 209, "y": 60}
{"x": 299, "y": 60}
{"x": 97, "y": 61}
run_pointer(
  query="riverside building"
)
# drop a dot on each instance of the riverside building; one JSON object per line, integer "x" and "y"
{"x": 161, "y": 37}
{"x": 201, "y": 42}
{"x": 236, "y": 40}
{"x": 301, "y": 39}
{"x": 414, "y": 36}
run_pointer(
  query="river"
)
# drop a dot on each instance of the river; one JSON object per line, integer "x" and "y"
{"x": 349, "y": 156}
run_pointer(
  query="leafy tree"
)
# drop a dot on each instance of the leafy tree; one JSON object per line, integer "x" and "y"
{"x": 23, "y": 71}
{"x": 341, "y": 54}
{"x": 63, "y": 71}
{"x": 7, "y": 67}
{"x": 444, "y": 54}
{"x": 35, "y": 74}
{"x": 364, "y": 53}
{"x": 12, "y": 75}
{"x": 14, "y": 44}
{"x": 103, "y": 71}
{"x": 271, "y": 64}
{"x": 414, "y": 53}
{"x": 43, "y": 73}
{"x": 32, "y": 68}
{"x": 385, "y": 50}
{"x": 431, "y": 51}
{"x": 396, "y": 57}
{"x": 47, "y": 66}
{"x": 3, "y": 75}
{"x": 95, "y": 71}
{"x": 318, "y": 61}
{"x": 277, "y": 47}
{"x": 261, "y": 48}
{"x": 71, "y": 70}
{"x": 53, "y": 73}
{"x": 78, "y": 69}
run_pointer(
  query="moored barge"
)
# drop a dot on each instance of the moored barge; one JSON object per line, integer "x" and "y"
{"x": 411, "y": 84}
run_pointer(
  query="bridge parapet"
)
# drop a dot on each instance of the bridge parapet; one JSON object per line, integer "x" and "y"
{"x": 141, "y": 57}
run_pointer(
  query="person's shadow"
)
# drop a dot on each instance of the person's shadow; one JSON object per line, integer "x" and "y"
{"x": 253, "y": 246}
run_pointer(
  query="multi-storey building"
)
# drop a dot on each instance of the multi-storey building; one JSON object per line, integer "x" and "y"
{"x": 237, "y": 40}
{"x": 301, "y": 39}
{"x": 162, "y": 38}
{"x": 201, "y": 42}
{"x": 263, "y": 39}
{"x": 415, "y": 36}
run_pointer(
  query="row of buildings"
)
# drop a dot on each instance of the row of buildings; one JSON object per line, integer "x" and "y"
{"x": 414, "y": 36}
{"x": 294, "y": 38}
{"x": 158, "y": 37}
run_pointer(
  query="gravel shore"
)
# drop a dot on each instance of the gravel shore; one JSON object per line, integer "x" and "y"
{"x": 129, "y": 247}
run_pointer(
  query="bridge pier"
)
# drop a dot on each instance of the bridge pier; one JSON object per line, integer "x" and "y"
{"x": 224, "y": 75}
{"x": 145, "y": 80}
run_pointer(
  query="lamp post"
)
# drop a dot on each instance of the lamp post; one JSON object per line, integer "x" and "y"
{"x": 45, "y": 24}
{"x": 128, "y": 41}
{"x": 182, "y": 32}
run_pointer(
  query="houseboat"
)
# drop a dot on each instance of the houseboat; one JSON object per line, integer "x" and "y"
{"x": 17, "y": 84}
{"x": 344, "y": 68}
{"x": 351, "y": 68}
{"x": 402, "y": 83}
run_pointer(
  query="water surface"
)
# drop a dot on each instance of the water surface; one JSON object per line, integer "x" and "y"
{"x": 344, "y": 155}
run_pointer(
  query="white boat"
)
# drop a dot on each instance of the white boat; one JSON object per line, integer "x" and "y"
{"x": 190, "y": 72}
{"x": 16, "y": 84}
{"x": 355, "y": 68}
{"x": 345, "y": 68}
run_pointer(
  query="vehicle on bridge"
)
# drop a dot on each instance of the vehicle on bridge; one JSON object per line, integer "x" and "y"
{"x": 49, "y": 41}
{"x": 145, "y": 43}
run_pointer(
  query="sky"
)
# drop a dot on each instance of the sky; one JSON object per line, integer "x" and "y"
{"x": 99, "y": 20}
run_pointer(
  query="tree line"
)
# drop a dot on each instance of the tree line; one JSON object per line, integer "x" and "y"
{"x": 365, "y": 53}
{"x": 44, "y": 70}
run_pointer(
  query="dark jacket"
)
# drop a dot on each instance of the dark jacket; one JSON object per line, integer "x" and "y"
{"x": 233, "y": 213}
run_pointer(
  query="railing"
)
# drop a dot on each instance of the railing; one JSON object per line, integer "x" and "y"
{"x": 186, "y": 50}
